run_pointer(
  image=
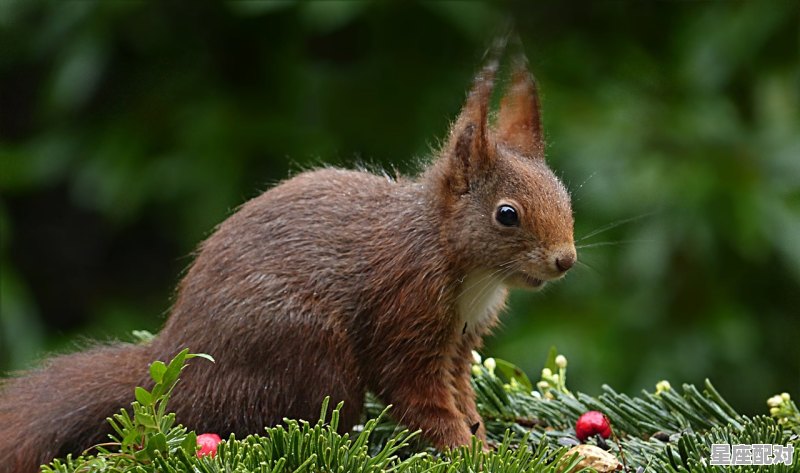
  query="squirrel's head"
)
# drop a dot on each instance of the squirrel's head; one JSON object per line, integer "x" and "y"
{"x": 504, "y": 210}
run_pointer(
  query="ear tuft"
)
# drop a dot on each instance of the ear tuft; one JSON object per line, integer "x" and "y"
{"x": 464, "y": 145}
{"x": 468, "y": 145}
{"x": 476, "y": 109}
{"x": 519, "y": 123}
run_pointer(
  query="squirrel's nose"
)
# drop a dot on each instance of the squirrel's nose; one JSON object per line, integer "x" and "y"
{"x": 565, "y": 261}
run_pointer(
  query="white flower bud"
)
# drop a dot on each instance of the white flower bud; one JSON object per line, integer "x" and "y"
{"x": 546, "y": 373}
{"x": 561, "y": 361}
{"x": 786, "y": 397}
{"x": 774, "y": 411}
{"x": 775, "y": 401}
{"x": 662, "y": 386}
{"x": 543, "y": 385}
{"x": 555, "y": 378}
{"x": 490, "y": 364}
{"x": 476, "y": 370}
{"x": 476, "y": 357}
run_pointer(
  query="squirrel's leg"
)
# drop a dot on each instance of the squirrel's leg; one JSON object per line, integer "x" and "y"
{"x": 462, "y": 386}
{"x": 424, "y": 399}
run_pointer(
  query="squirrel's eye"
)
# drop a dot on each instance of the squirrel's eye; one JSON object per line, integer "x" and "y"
{"x": 507, "y": 216}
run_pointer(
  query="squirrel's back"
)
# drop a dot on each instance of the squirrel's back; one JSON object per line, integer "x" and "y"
{"x": 318, "y": 236}
{"x": 318, "y": 265}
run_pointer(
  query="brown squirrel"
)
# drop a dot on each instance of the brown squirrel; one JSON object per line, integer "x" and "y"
{"x": 333, "y": 283}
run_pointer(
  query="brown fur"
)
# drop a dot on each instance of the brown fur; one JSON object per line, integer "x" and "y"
{"x": 332, "y": 283}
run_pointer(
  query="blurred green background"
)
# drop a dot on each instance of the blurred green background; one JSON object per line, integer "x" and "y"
{"x": 128, "y": 130}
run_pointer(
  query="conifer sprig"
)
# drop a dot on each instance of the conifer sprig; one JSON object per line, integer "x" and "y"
{"x": 530, "y": 431}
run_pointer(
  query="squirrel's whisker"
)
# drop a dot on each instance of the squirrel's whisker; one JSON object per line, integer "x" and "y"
{"x": 609, "y": 243}
{"x": 589, "y": 266}
{"x": 574, "y": 191}
{"x": 612, "y": 225}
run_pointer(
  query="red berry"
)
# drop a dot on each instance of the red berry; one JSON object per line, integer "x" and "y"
{"x": 592, "y": 423}
{"x": 208, "y": 444}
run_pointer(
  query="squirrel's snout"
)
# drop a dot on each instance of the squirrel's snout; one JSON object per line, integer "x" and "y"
{"x": 563, "y": 263}
{"x": 565, "y": 260}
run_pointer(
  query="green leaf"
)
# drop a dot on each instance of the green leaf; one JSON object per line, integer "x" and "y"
{"x": 132, "y": 437}
{"x": 512, "y": 371}
{"x": 143, "y": 336}
{"x": 550, "y": 361}
{"x": 189, "y": 443}
{"x": 157, "y": 442}
{"x": 143, "y": 396}
{"x": 324, "y": 412}
{"x": 174, "y": 369}
{"x": 157, "y": 370}
{"x": 204, "y": 356}
{"x": 146, "y": 420}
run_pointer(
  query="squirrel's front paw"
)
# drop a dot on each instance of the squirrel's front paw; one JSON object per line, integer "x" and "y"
{"x": 450, "y": 437}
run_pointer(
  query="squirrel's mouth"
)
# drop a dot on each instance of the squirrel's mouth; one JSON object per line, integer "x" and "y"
{"x": 526, "y": 281}
{"x": 532, "y": 282}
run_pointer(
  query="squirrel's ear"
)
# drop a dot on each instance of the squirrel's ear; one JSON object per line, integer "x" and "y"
{"x": 467, "y": 148}
{"x": 519, "y": 123}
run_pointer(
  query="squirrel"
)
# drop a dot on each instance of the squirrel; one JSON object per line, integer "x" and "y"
{"x": 332, "y": 283}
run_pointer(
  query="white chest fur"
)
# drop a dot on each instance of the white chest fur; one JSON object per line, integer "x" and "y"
{"x": 481, "y": 297}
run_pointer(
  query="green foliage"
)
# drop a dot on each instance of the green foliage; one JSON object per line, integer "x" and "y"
{"x": 529, "y": 432}
{"x": 693, "y": 448}
{"x": 660, "y": 431}
{"x": 784, "y": 409}
{"x": 148, "y": 437}
{"x": 143, "y": 336}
